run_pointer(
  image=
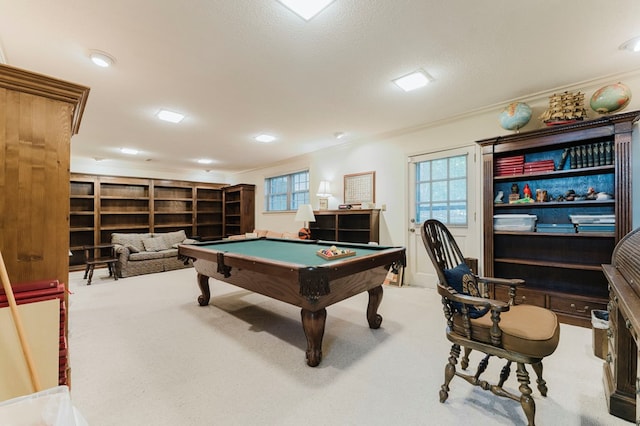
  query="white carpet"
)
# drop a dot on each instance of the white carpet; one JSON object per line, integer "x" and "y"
{"x": 143, "y": 352}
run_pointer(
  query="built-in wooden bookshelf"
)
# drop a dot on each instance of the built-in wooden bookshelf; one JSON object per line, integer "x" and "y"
{"x": 102, "y": 205}
{"x": 562, "y": 270}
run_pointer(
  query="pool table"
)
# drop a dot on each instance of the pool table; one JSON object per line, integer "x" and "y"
{"x": 292, "y": 271}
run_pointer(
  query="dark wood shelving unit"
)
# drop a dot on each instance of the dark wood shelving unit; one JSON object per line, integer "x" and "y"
{"x": 349, "y": 226}
{"x": 562, "y": 270}
{"x": 239, "y": 209}
{"x": 208, "y": 210}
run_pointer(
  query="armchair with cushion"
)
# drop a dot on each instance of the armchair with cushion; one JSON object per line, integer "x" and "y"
{"x": 523, "y": 334}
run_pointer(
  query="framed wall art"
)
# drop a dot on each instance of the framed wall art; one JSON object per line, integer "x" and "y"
{"x": 360, "y": 188}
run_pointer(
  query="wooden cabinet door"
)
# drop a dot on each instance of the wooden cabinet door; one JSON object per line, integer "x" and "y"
{"x": 38, "y": 115}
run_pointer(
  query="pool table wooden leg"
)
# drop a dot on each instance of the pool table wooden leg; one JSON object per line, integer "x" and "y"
{"x": 375, "y": 298}
{"x": 313, "y": 325}
{"x": 203, "y": 283}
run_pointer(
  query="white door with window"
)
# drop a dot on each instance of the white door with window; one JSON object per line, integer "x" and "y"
{"x": 444, "y": 185}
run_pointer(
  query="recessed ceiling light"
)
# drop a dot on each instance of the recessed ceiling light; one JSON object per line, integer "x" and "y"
{"x": 306, "y": 9}
{"x": 129, "y": 151}
{"x": 265, "y": 138}
{"x": 339, "y": 135}
{"x": 101, "y": 59}
{"x": 632, "y": 45}
{"x": 413, "y": 81}
{"x": 205, "y": 161}
{"x": 170, "y": 116}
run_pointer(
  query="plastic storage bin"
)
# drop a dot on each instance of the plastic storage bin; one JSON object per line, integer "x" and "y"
{"x": 50, "y": 407}
{"x": 600, "y": 324}
{"x": 514, "y": 222}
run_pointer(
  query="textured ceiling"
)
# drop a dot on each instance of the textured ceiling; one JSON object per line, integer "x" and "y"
{"x": 238, "y": 68}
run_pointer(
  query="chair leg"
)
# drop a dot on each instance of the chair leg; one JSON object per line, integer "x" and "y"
{"x": 504, "y": 373}
{"x": 90, "y": 275}
{"x": 526, "y": 401}
{"x": 449, "y": 371}
{"x": 484, "y": 363}
{"x": 464, "y": 362}
{"x": 542, "y": 384}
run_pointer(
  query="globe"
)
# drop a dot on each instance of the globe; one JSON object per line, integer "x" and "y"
{"x": 515, "y": 116}
{"x": 610, "y": 98}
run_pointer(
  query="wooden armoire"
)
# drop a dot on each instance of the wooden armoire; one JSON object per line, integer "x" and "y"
{"x": 38, "y": 116}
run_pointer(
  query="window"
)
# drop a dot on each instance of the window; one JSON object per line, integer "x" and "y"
{"x": 441, "y": 190}
{"x": 286, "y": 192}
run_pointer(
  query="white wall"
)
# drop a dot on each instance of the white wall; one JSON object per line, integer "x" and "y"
{"x": 387, "y": 156}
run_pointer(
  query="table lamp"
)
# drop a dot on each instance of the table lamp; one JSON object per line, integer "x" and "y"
{"x": 305, "y": 214}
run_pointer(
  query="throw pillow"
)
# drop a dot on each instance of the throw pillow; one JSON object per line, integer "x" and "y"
{"x": 172, "y": 238}
{"x": 129, "y": 239}
{"x": 132, "y": 248}
{"x": 462, "y": 280}
{"x": 155, "y": 244}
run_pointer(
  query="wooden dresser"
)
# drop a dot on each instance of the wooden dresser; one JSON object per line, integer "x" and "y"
{"x": 621, "y": 375}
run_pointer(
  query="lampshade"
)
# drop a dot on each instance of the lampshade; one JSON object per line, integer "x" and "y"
{"x": 324, "y": 190}
{"x": 305, "y": 214}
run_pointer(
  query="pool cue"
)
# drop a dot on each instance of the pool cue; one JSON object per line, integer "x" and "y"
{"x": 6, "y": 284}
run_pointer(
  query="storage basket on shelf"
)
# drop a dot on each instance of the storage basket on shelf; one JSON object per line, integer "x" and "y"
{"x": 514, "y": 222}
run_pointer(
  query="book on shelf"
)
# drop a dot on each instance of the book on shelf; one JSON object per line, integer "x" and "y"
{"x": 539, "y": 166}
{"x": 563, "y": 158}
{"x": 596, "y": 227}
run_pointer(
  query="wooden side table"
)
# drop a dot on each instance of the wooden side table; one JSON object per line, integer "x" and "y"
{"x": 101, "y": 254}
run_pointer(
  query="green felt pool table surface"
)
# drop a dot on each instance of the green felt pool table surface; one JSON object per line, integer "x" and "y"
{"x": 303, "y": 253}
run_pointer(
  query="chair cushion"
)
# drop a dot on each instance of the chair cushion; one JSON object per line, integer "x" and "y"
{"x": 462, "y": 280}
{"x": 526, "y": 329}
{"x": 146, "y": 255}
{"x": 155, "y": 244}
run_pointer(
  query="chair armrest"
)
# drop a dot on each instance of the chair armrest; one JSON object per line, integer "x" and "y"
{"x": 503, "y": 281}
{"x": 118, "y": 248}
{"x": 495, "y": 308}
{"x": 122, "y": 253}
{"x": 454, "y": 296}
{"x": 513, "y": 283}
{"x": 494, "y": 305}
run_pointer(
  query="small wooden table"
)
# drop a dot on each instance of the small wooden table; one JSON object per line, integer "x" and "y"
{"x": 101, "y": 254}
